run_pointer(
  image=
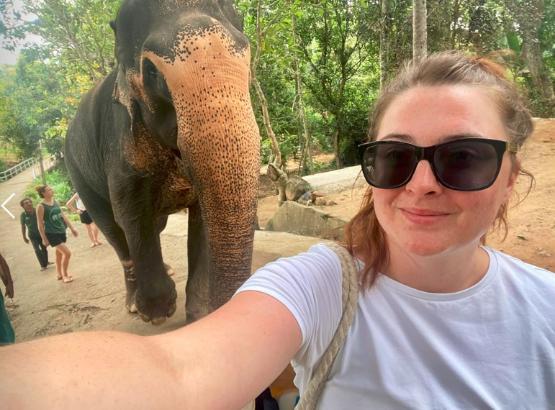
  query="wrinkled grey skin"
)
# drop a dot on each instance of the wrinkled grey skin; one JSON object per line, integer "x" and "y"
{"x": 170, "y": 128}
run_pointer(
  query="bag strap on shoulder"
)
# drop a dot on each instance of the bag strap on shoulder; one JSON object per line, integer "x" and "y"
{"x": 310, "y": 396}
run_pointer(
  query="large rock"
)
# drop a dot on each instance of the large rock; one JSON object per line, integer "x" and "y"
{"x": 337, "y": 180}
{"x": 304, "y": 220}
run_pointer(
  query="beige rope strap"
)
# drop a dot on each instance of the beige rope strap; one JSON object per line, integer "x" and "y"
{"x": 310, "y": 396}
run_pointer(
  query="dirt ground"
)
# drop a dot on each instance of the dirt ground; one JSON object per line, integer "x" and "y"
{"x": 95, "y": 300}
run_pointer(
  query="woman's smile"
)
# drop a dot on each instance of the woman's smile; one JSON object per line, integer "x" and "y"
{"x": 422, "y": 216}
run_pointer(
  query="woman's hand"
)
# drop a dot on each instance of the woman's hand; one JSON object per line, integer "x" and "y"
{"x": 74, "y": 231}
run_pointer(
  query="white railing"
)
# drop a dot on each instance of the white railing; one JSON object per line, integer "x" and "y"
{"x": 23, "y": 165}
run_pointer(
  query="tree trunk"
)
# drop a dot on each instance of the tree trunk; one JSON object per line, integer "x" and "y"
{"x": 419, "y": 30}
{"x": 529, "y": 16}
{"x": 531, "y": 19}
{"x": 455, "y": 23}
{"x": 267, "y": 123}
{"x": 305, "y": 163}
{"x": 384, "y": 43}
{"x": 338, "y": 162}
{"x": 260, "y": 93}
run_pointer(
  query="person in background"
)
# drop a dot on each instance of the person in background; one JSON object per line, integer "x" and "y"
{"x": 442, "y": 321}
{"x": 6, "y": 330}
{"x": 52, "y": 223}
{"x": 30, "y": 232}
{"x": 76, "y": 205}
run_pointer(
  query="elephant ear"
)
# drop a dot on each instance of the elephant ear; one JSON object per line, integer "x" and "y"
{"x": 122, "y": 92}
{"x": 229, "y": 11}
{"x": 115, "y": 93}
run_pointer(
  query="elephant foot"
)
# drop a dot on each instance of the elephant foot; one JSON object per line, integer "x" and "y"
{"x": 195, "y": 313}
{"x": 131, "y": 287}
{"x": 156, "y": 300}
{"x": 130, "y": 303}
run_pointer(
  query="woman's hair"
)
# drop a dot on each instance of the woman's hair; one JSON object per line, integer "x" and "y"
{"x": 363, "y": 234}
{"x": 40, "y": 190}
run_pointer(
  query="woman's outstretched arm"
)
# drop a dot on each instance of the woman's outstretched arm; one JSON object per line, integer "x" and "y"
{"x": 219, "y": 362}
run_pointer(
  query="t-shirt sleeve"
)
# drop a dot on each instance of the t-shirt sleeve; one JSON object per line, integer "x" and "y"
{"x": 22, "y": 219}
{"x": 309, "y": 285}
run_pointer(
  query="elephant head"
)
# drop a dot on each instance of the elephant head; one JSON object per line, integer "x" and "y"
{"x": 183, "y": 76}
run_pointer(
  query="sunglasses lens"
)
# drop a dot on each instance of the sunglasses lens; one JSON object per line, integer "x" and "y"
{"x": 388, "y": 164}
{"x": 467, "y": 165}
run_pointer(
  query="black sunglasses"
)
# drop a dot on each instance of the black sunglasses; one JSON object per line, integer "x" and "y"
{"x": 465, "y": 164}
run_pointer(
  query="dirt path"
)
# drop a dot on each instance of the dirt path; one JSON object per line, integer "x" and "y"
{"x": 95, "y": 300}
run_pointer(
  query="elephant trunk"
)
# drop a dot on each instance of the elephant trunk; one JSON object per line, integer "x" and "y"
{"x": 218, "y": 139}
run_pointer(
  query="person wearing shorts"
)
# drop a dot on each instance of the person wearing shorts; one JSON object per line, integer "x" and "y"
{"x": 52, "y": 224}
{"x": 76, "y": 205}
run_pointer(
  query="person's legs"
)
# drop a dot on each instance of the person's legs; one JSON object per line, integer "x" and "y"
{"x": 59, "y": 258}
{"x": 91, "y": 235}
{"x": 43, "y": 254}
{"x": 95, "y": 233}
{"x": 66, "y": 255}
{"x": 40, "y": 252}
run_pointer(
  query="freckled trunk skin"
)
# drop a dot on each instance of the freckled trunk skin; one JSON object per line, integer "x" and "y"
{"x": 219, "y": 141}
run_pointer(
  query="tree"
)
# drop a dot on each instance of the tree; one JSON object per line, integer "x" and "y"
{"x": 260, "y": 38}
{"x": 337, "y": 45}
{"x": 305, "y": 162}
{"x": 77, "y": 32}
{"x": 529, "y": 15}
{"x": 31, "y": 95}
{"x": 419, "y": 30}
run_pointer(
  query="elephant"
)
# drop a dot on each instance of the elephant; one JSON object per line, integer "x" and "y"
{"x": 172, "y": 128}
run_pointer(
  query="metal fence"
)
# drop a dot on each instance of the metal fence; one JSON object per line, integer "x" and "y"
{"x": 23, "y": 165}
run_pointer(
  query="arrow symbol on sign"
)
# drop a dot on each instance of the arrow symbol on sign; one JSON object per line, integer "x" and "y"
{"x": 5, "y": 202}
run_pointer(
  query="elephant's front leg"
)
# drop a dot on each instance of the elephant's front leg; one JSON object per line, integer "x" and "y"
{"x": 155, "y": 295}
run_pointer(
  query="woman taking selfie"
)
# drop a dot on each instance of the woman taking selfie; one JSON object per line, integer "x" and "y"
{"x": 441, "y": 321}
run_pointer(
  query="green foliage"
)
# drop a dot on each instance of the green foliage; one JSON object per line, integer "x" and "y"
{"x": 318, "y": 167}
{"x": 58, "y": 180}
{"x": 40, "y": 96}
{"x": 334, "y": 43}
{"x": 33, "y": 104}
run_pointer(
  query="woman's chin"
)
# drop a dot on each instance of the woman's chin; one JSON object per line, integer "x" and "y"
{"x": 425, "y": 248}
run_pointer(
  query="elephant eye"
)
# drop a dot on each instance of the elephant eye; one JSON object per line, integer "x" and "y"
{"x": 149, "y": 69}
{"x": 154, "y": 81}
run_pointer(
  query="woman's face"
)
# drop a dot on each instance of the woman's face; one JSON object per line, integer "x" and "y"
{"x": 423, "y": 217}
{"x": 48, "y": 192}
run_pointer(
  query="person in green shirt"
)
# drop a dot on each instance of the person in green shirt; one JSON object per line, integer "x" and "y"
{"x": 30, "y": 231}
{"x": 7, "y": 334}
{"x": 52, "y": 224}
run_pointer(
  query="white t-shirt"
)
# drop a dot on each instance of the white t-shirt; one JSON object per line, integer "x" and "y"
{"x": 491, "y": 346}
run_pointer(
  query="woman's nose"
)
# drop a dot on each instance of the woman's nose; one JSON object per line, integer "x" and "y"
{"x": 423, "y": 181}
